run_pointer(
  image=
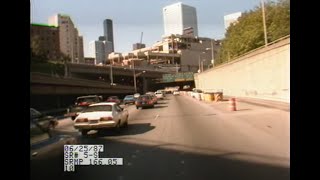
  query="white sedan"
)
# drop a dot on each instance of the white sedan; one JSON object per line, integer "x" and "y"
{"x": 101, "y": 116}
{"x": 176, "y": 92}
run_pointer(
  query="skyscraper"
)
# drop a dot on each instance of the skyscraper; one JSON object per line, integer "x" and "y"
{"x": 108, "y": 32}
{"x": 178, "y": 17}
{"x": 231, "y": 19}
{"x": 97, "y": 51}
{"x": 68, "y": 37}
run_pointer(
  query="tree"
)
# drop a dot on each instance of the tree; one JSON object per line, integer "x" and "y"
{"x": 247, "y": 34}
{"x": 37, "y": 53}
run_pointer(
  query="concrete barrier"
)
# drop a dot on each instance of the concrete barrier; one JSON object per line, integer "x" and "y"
{"x": 261, "y": 74}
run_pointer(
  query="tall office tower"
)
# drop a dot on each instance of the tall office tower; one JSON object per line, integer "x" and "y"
{"x": 96, "y": 50}
{"x": 108, "y": 32}
{"x": 231, "y": 18}
{"x": 68, "y": 37}
{"x": 108, "y": 48}
{"x": 102, "y": 38}
{"x": 178, "y": 17}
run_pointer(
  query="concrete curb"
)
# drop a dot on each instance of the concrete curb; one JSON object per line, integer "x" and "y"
{"x": 264, "y": 103}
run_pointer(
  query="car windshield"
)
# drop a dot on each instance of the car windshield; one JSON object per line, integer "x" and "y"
{"x": 98, "y": 108}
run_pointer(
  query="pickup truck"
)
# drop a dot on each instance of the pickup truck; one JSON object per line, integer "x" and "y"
{"x": 81, "y": 103}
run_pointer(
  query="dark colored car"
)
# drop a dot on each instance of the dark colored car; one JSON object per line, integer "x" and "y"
{"x": 87, "y": 100}
{"x": 81, "y": 103}
{"x": 44, "y": 121}
{"x": 114, "y": 99}
{"x": 129, "y": 99}
{"x": 144, "y": 101}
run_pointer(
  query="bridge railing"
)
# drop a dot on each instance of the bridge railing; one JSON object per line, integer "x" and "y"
{"x": 47, "y": 79}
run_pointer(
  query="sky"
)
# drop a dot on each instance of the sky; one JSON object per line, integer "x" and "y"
{"x": 131, "y": 17}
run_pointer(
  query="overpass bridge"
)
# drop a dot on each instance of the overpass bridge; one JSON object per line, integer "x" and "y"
{"x": 85, "y": 70}
{"x": 46, "y": 84}
{"x": 48, "y": 91}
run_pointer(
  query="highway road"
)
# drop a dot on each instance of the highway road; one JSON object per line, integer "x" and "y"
{"x": 182, "y": 138}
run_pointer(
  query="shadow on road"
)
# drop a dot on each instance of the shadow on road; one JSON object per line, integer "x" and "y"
{"x": 156, "y": 106}
{"x": 243, "y": 109}
{"x": 158, "y": 161}
{"x": 132, "y": 129}
{"x": 162, "y": 103}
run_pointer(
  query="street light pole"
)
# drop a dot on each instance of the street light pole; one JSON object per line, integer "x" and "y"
{"x": 200, "y": 69}
{"x": 134, "y": 77}
{"x": 200, "y": 63}
{"x": 212, "y": 53}
{"x": 111, "y": 75}
{"x": 264, "y": 23}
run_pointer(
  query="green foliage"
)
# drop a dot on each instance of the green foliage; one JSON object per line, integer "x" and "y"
{"x": 248, "y": 33}
{"x": 39, "y": 55}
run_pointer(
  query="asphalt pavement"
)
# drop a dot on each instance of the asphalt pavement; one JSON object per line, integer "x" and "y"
{"x": 183, "y": 138}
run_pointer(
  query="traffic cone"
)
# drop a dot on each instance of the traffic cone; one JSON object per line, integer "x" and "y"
{"x": 232, "y": 105}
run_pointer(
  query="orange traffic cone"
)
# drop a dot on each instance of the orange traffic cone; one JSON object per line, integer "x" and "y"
{"x": 232, "y": 105}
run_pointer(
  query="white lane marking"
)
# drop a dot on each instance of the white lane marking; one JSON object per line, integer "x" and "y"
{"x": 156, "y": 117}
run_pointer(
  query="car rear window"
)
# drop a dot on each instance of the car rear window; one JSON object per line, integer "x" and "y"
{"x": 89, "y": 100}
{"x": 129, "y": 97}
{"x": 144, "y": 97}
{"x": 98, "y": 108}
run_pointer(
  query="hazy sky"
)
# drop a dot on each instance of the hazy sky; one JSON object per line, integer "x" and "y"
{"x": 131, "y": 17}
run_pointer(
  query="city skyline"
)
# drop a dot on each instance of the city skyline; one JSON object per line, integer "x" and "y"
{"x": 178, "y": 17}
{"x": 130, "y": 18}
{"x": 108, "y": 34}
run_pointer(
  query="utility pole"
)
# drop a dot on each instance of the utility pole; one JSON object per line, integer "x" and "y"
{"x": 111, "y": 75}
{"x": 264, "y": 23}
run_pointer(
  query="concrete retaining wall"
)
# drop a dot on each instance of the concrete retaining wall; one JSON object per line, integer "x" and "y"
{"x": 262, "y": 74}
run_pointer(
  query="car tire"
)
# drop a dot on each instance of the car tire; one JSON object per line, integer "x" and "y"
{"x": 125, "y": 125}
{"x": 73, "y": 118}
{"x": 51, "y": 126}
{"x": 84, "y": 132}
{"x": 118, "y": 127}
{"x": 137, "y": 107}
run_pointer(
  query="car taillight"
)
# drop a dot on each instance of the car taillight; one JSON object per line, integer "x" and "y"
{"x": 82, "y": 120}
{"x": 83, "y": 103}
{"x": 106, "y": 118}
{"x": 150, "y": 102}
